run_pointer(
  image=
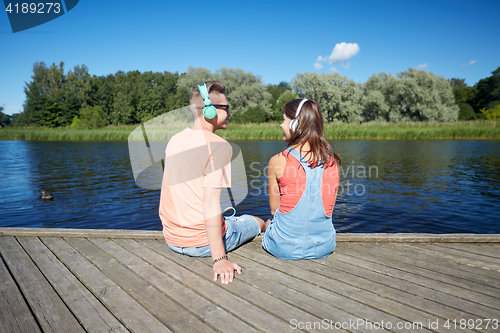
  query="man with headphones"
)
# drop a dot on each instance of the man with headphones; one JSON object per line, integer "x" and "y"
{"x": 197, "y": 166}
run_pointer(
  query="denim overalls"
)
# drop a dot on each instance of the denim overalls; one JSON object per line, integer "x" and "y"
{"x": 305, "y": 232}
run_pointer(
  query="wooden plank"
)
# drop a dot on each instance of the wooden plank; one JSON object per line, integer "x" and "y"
{"x": 130, "y": 313}
{"x": 403, "y": 261}
{"x": 424, "y": 259}
{"x": 93, "y": 316}
{"x": 251, "y": 305}
{"x": 493, "y": 263}
{"x": 206, "y": 311}
{"x": 410, "y": 256}
{"x": 79, "y": 233}
{"x": 484, "y": 249}
{"x": 50, "y": 311}
{"x": 411, "y": 274}
{"x": 360, "y": 303}
{"x": 431, "y": 285}
{"x": 298, "y": 296}
{"x": 342, "y": 237}
{"x": 308, "y": 295}
{"x": 171, "y": 313}
{"x": 443, "y": 252}
{"x": 417, "y": 238}
{"x": 15, "y": 315}
{"x": 395, "y": 289}
{"x": 452, "y": 261}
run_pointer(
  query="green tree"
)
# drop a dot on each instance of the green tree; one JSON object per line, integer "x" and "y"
{"x": 70, "y": 108}
{"x": 37, "y": 97}
{"x": 419, "y": 95}
{"x": 255, "y": 114}
{"x": 466, "y": 112}
{"x": 465, "y": 94}
{"x": 493, "y": 113}
{"x": 279, "y": 106}
{"x": 123, "y": 110}
{"x": 44, "y": 96}
{"x": 102, "y": 94}
{"x": 78, "y": 84}
{"x": 338, "y": 96}
{"x": 488, "y": 91}
{"x": 90, "y": 117}
{"x": 276, "y": 90}
{"x": 5, "y": 119}
{"x": 375, "y": 98}
{"x": 157, "y": 94}
{"x": 457, "y": 83}
{"x": 52, "y": 115}
{"x": 195, "y": 76}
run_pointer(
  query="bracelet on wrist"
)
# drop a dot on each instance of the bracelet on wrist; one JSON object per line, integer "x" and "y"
{"x": 219, "y": 259}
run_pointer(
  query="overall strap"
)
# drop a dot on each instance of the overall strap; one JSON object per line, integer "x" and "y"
{"x": 313, "y": 176}
{"x": 298, "y": 157}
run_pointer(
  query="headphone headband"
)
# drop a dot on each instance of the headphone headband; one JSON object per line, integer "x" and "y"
{"x": 209, "y": 111}
{"x": 293, "y": 123}
{"x": 300, "y": 107}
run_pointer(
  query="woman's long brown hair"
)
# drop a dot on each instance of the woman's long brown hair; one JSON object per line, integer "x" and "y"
{"x": 310, "y": 129}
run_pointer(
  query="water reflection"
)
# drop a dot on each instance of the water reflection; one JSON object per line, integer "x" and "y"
{"x": 412, "y": 186}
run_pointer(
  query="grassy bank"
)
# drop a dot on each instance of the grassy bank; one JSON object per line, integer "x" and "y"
{"x": 412, "y": 131}
{"x": 109, "y": 133}
{"x": 480, "y": 129}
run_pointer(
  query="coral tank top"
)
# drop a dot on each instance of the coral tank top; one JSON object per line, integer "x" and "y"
{"x": 293, "y": 182}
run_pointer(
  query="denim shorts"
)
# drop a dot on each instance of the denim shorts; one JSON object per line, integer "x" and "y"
{"x": 239, "y": 230}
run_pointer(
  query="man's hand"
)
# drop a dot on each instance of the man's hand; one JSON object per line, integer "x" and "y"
{"x": 225, "y": 269}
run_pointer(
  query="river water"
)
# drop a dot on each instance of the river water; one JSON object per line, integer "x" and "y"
{"x": 426, "y": 186}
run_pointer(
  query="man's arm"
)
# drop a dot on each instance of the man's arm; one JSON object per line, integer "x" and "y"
{"x": 213, "y": 224}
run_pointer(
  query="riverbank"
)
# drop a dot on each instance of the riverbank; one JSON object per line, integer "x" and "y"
{"x": 480, "y": 129}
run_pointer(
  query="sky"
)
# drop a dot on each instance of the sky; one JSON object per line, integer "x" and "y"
{"x": 273, "y": 39}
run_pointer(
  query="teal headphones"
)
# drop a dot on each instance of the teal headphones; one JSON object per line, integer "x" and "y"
{"x": 209, "y": 111}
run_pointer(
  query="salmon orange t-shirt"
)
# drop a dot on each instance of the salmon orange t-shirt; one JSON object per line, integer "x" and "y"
{"x": 194, "y": 160}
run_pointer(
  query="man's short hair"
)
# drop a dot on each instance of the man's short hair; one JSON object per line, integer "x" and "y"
{"x": 213, "y": 87}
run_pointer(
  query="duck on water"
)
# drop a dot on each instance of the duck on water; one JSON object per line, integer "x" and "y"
{"x": 46, "y": 195}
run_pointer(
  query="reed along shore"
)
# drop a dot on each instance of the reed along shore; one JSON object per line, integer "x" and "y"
{"x": 479, "y": 129}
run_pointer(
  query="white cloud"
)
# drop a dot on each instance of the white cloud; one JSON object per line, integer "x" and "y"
{"x": 342, "y": 53}
{"x": 422, "y": 66}
{"x": 472, "y": 62}
{"x": 317, "y": 64}
{"x": 345, "y": 64}
{"x": 333, "y": 69}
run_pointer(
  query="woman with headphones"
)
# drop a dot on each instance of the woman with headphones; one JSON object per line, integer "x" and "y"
{"x": 303, "y": 182}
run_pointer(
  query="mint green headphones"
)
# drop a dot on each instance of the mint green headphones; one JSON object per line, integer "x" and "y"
{"x": 209, "y": 111}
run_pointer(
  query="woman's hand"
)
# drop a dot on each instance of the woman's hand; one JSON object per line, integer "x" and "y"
{"x": 225, "y": 269}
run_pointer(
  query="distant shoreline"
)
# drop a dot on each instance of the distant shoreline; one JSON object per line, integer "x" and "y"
{"x": 479, "y": 129}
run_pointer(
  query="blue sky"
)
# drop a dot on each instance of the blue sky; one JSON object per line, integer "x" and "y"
{"x": 275, "y": 40}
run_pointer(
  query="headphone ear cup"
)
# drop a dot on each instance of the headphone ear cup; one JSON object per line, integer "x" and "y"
{"x": 209, "y": 112}
{"x": 293, "y": 124}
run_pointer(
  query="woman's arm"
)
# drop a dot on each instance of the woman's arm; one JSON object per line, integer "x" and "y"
{"x": 274, "y": 172}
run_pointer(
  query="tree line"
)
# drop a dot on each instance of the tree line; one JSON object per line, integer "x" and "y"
{"x": 479, "y": 101}
{"x": 79, "y": 99}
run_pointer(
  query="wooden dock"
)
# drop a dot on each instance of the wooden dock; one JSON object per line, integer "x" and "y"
{"x": 69, "y": 280}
